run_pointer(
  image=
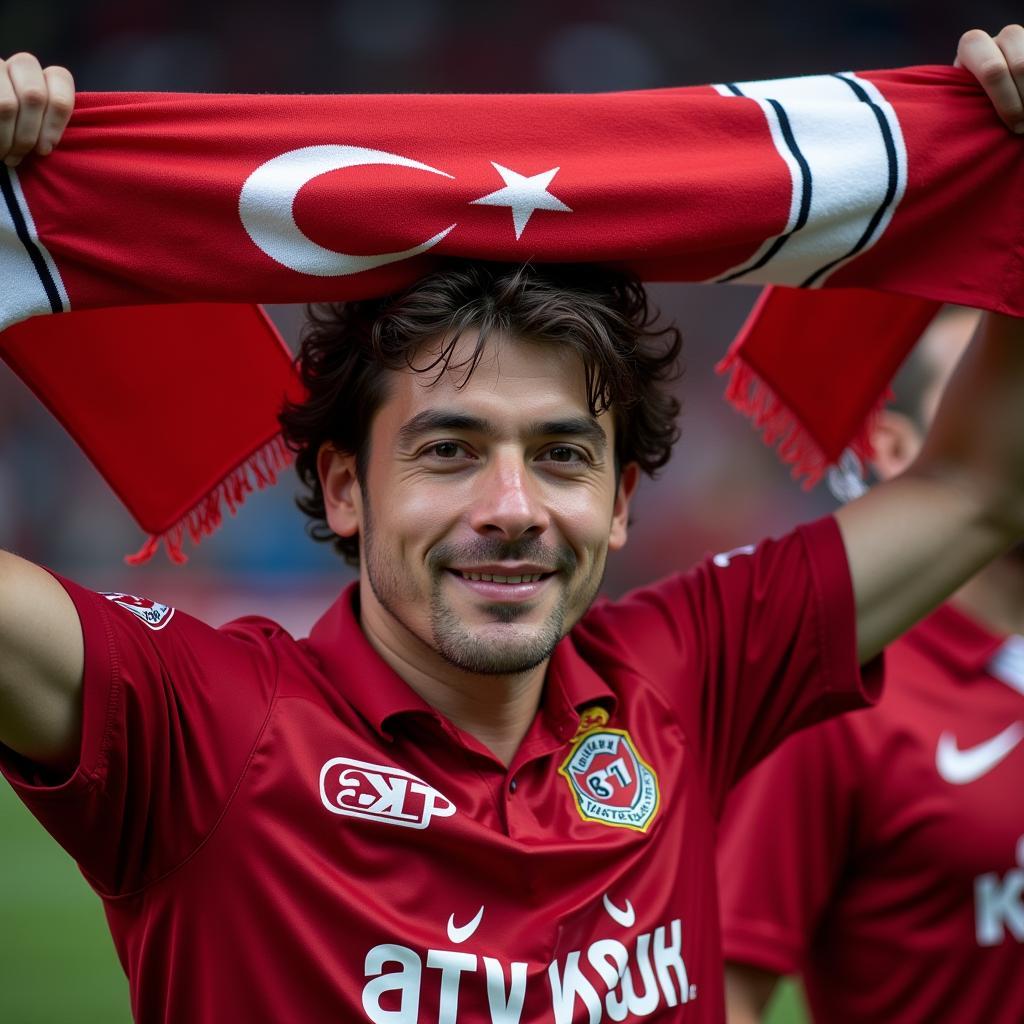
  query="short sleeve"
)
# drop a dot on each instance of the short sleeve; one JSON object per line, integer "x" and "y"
{"x": 783, "y": 846}
{"x": 171, "y": 711}
{"x": 748, "y": 647}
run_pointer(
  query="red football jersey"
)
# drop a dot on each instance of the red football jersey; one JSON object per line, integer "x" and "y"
{"x": 283, "y": 830}
{"x": 882, "y": 854}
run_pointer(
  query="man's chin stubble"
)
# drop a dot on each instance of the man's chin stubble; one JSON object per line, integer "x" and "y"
{"x": 451, "y": 639}
{"x": 490, "y": 655}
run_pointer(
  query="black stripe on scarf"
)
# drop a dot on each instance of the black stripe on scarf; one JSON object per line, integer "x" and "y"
{"x": 25, "y": 237}
{"x": 805, "y": 183}
{"x": 890, "y": 191}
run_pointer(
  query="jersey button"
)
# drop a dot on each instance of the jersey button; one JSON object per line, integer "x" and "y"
{"x": 513, "y": 786}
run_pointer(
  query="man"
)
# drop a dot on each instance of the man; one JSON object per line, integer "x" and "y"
{"x": 468, "y": 795}
{"x": 880, "y": 854}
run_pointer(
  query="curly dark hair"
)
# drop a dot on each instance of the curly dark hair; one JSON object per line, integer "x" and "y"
{"x": 602, "y": 314}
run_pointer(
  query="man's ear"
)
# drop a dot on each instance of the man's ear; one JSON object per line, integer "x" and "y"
{"x": 896, "y": 440}
{"x": 343, "y": 497}
{"x": 629, "y": 478}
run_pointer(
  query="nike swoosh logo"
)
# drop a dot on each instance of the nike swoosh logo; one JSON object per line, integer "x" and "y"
{"x": 723, "y": 558}
{"x": 626, "y": 917}
{"x": 459, "y": 933}
{"x": 959, "y": 767}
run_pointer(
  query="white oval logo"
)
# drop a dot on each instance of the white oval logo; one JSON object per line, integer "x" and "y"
{"x": 380, "y": 792}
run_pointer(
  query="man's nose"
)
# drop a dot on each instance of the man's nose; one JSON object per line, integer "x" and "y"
{"x": 508, "y": 502}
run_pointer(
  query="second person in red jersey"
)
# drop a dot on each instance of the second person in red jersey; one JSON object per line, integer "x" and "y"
{"x": 880, "y": 856}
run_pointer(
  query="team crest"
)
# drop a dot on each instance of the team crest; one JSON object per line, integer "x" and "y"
{"x": 152, "y": 613}
{"x": 609, "y": 780}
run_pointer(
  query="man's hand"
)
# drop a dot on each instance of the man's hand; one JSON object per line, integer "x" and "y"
{"x": 35, "y": 106}
{"x": 998, "y": 64}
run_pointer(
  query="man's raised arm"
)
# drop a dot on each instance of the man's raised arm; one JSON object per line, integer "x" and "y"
{"x": 913, "y": 540}
{"x": 41, "y": 654}
{"x": 41, "y": 665}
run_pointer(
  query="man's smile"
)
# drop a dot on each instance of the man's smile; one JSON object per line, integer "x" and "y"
{"x": 503, "y": 583}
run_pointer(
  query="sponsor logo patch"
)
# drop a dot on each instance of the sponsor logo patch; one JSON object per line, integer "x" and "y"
{"x": 379, "y": 792}
{"x": 610, "y": 782}
{"x": 152, "y": 613}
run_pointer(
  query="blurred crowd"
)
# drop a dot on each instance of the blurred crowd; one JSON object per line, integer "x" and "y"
{"x": 722, "y": 489}
{"x": 472, "y": 45}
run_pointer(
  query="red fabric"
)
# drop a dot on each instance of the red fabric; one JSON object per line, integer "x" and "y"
{"x": 211, "y": 812}
{"x": 197, "y": 427}
{"x": 809, "y": 368}
{"x": 900, "y": 181}
{"x": 848, "y": 857}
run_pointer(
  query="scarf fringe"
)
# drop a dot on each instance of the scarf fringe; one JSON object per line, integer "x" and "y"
{"x": 748, "y": 393}
{"x": 258, "y": 471}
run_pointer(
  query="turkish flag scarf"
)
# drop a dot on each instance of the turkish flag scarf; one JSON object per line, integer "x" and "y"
{"x": 161, "y": 220}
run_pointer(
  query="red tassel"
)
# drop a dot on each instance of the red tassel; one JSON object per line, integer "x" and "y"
{"x": 258, "y": 471}
{"x": 749, "y": 395}
{"x": 145, "y": 553}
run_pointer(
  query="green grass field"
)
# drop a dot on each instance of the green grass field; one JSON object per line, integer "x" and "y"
{"x": 58, "y": 964}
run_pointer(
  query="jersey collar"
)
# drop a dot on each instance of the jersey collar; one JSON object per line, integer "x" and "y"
{"x": 362, "y": 676}
{"x": 1007, "y": 665}
{"x": 379, "y": 694}
{"x": 958, "y": 641}
{"x": 573, "y": 687}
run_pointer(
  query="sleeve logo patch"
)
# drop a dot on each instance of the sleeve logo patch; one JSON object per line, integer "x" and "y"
{"x": 610, "y": 782}
{"x": 152, "y": 613}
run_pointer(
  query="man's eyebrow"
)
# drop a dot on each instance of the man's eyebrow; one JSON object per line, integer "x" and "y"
{"x": 433, "y": 420}
{"x": 586, "y": 428}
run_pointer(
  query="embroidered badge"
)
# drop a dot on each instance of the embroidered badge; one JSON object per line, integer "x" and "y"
{"x": 152, "y": 613}
{"x": 609, "y": 780}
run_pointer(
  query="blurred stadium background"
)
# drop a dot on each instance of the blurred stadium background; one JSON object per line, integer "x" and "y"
{"x": 723, "y": 488}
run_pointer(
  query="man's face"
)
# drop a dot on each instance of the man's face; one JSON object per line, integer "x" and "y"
{"x": 487, "y": 507}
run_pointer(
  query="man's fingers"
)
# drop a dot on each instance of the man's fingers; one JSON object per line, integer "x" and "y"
{"x": 8, "y": 110}
{"x": 1011, "y": 42}
{"x": 29, "y": 84}
{"x": 60, "y": 104}
{"x": 980, "y": 54}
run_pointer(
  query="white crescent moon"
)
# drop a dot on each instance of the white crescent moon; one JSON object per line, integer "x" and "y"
{"x": 268, "y": 197}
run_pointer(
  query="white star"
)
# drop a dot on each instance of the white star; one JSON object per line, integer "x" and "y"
{"x": 523, "y": 194}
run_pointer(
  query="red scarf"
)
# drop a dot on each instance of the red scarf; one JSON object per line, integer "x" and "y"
{"x": 900, "y": 182}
